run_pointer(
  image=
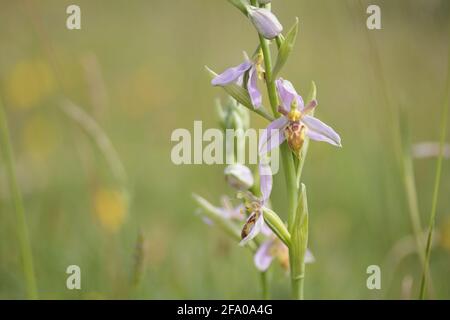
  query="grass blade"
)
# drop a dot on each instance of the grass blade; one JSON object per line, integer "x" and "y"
{"x": 21, "y": 225}
{"x": 437, "y": 181}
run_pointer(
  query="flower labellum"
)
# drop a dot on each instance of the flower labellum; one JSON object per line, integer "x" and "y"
{"x": 255, "y": 221}
{"x": 295, "y": 137}
{"x": 239, "y": 176}
{"x": 252, "y": 227}
{"x": 265, "y": 22}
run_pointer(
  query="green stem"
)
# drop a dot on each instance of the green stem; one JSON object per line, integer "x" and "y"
{"x": 21, "y": 223}
{"x": 291, "y": 183}
{"x": 265, "y": 285}
{"x": 286, "y": 154}
{"x": 298, "y": 285}
{"x": 407, "y": 167}
{"x": 436, "y": 184}
{"x": 273, "y": 98}
{"x": 297, "y": 274}
{"x": 299, "y": 245}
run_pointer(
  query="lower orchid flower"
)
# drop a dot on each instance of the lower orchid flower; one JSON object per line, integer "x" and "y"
{"x": 274, "y": 248}
{"x": 295, "y": 123}
{"x": 236, "y": 75}
{"x": 255, "y": 222}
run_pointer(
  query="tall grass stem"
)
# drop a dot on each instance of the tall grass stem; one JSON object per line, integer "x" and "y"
{"x": 21, "y": 222}
{"x": 265, "y": 285}
{"x": 437, "y": 181}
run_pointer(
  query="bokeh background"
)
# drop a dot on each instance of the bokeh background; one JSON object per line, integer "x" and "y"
{"x": 100, "y": 190}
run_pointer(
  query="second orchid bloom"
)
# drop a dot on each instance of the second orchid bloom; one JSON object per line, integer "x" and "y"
{"x": 249, "y": 71}
{"x": 296, "y": 123}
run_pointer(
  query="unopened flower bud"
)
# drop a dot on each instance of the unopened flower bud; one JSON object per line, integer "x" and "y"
{"x": 265, "y": 22}
{"x": 239, "y": 176}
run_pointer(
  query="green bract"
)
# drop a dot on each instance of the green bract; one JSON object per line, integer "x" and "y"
{"x": 286, "y": 48}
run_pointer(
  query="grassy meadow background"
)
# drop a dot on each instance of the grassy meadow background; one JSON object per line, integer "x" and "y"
{"x": 137, "y": 69}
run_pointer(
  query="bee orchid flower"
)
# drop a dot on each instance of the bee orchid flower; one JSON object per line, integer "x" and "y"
{"x": 255, "y": 221}
{"x": 296, "y": 123}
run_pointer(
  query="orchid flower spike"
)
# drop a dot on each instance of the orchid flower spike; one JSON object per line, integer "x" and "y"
{"x": 265, "y": 22}
{"x": 295, "y": 123}
{"x": 236, "y": 75}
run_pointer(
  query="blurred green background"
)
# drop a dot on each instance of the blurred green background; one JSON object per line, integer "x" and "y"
{"x": 137, "y": 68}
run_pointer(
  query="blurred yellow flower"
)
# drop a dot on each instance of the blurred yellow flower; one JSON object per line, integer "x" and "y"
{"x": 39, "y": 137}
{"x": 445, "y": 234}
{"x": 141, "y": 92}
{"x": 29, "y": 82}
{"x": 110, "y": 207}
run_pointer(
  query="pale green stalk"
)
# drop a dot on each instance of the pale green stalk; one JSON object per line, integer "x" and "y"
{"x": 437, "y": 181}
{"x": 286, "y": 154}
{"x": 299, "y": 244}
{"x": 273, "y": 98}
{"x": 410, "y": 187}
{"x": 21, "y": 223}
{"x": 265, "y": 285}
